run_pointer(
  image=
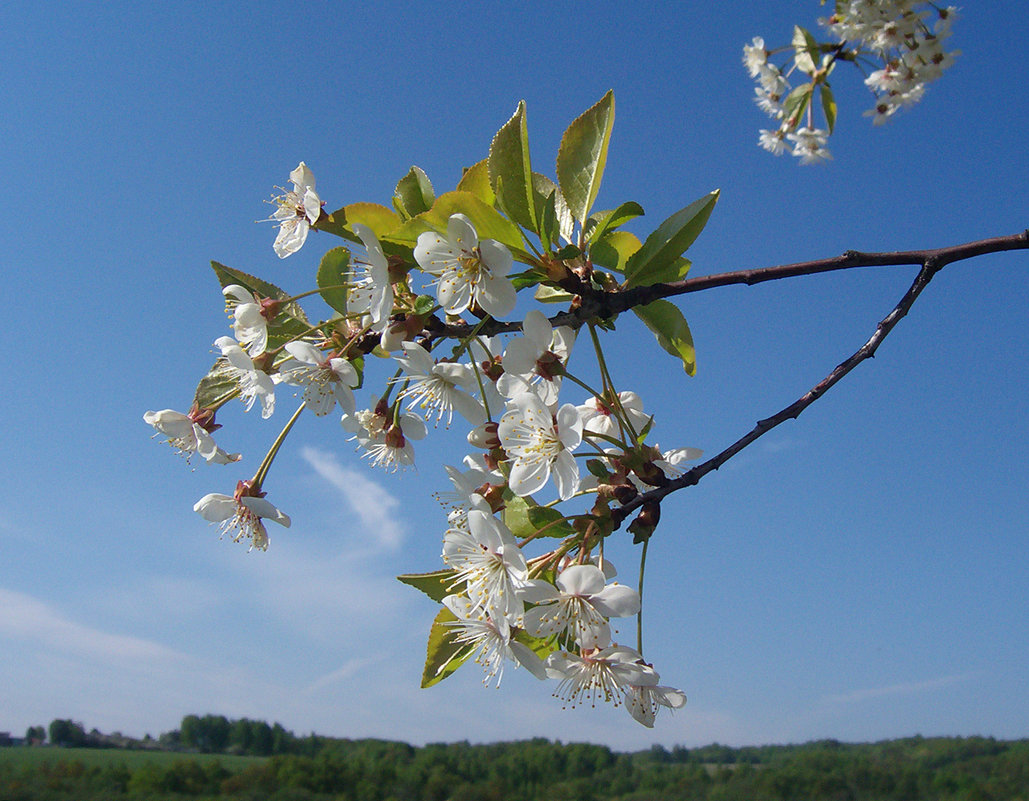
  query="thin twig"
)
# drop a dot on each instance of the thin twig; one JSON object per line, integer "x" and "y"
{"x": 930, "y": 267}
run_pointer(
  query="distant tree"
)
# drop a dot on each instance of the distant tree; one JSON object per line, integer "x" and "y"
{"x": 67, "y": 733}
{"x": 35, "y": 735}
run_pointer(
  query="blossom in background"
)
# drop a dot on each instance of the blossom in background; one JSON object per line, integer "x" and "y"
{"x": 370, "y": 292}
{"x": 249, "y": 324}
{"x": 253, "y": 383}
{"x": 241, "y": 516}
{"x": 468, "y": 271}
{"x": 327, "y": 381}
{"x": 539, "y": 443}
{"x": 535, "y": 361}
{"x": 187, "y": 436}
{"x": 439, "y": 388}
{"x": 297, "y": 212}
{"x": 580, "y": 605}
{"x": 809, "y": 145}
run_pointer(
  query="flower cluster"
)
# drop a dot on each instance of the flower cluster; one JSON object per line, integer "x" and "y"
{"x": 420, "y": 293}
{"x": 901, "y": 39}
{"x": 910, "y": 54}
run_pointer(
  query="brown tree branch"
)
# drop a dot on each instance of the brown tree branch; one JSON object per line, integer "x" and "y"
{"x": 932, "y": 261}
{"x": 607, "y": 304}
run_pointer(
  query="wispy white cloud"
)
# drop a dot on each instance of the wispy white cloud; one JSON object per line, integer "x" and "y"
{"x": 906, "y": 688}
{"x": 28, "y": 618}
{"x": 374, "y": 508}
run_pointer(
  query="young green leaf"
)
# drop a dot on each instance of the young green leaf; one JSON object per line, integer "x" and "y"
{"x": 673, "y": 334}
{"x": 829, "y": 107}
{"x": 583, "y": 154}
{"x": 331, "y": 278}
{"x": 488, "y": 222}
{"x": 615, "y": 249}
{"x": 651, "y": 262}
{"x": 414, "y": 192}
{"x": 805, "y": 50}
{"x": 229, "y": 275}
{"x": 510, "y": 171}
{"x": 601, "y": 222}
{"x": 525, "y": 518}
{"x": 796, "y": 104}
{"x": 475, "y": 179}
{"x": 217, "y": 386}
{"x": 442, "y": 655}
{"x": 437, "y": 585}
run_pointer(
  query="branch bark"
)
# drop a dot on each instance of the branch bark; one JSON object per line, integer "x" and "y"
{"x": 607, "y": 304}
{"x": 932, "y": 261}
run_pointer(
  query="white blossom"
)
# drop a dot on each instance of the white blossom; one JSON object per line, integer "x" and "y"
{"x": 252, "y": 383}
{"x": 439, "y": 388}
{"x": 249, "y": 324}
{"x": 488, "y": 561}
{"x": 370, "y": 292}
{"x": 603, "y": 674}
{"x": 490, "y": 639}
{"x": 386, "y": 443}
{"x": 539, "y": 443}
{"x": 469, "y": 271}
{"x": 326, "y": 381}
{"x": 580, "y": 605}
{"x": 298, "y": 210}
{"x": 644, "y": 700}
{"x": 187, "y": 436}
{"x": 535, "y": 361}
{"x": 241, "y": 516}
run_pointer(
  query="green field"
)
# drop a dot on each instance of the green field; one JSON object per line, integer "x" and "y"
{"x": 112, "y": 756}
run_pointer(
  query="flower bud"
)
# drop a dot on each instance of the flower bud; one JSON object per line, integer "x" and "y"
{"x": 484, "y": 436}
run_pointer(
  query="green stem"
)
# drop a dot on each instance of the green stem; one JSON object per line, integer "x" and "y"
{"x": 639, "y": 615}
{"x": 262, "y": 470}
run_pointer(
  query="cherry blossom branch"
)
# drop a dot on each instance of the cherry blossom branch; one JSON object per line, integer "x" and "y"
{"x": 932, "y": 261}
{"x": 614, "y": 303}
{"x": 606, "y": 304}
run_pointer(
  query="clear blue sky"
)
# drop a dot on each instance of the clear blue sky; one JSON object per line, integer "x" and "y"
{"x": 861, "y": 573}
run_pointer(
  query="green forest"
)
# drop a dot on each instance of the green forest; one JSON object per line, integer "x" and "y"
{"x": 212, "y": 757}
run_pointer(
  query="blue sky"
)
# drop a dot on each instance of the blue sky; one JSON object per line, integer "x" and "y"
{"x": 859, "y": 573}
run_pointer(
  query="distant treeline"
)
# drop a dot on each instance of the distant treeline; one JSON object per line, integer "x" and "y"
{"x": 922, "y": 769}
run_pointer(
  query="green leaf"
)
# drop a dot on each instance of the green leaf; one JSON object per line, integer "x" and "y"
{"x": 380, "y": 219}
{"x": 525, "y": 518}
{"x": 805, "y": 50}
{"x": 424, "y": 304}
{"x": 796, "y": 104}
{"x": 229, "y": 275}
{"x": 673, "y": 334}
{"x": 217, "y": 386}
{"x": 651, "y": 262}
{"x": 437, "y": 585}
{"x": 539, "y": 646}
{"x": 614, "y": 250}
{"x": 414, "y": 192}
{"x": 488, "y": 222}
{"x": 332, "y": 276}
{"x": 510, "y": 171}
{"x": 829, "y": 107}
{"x": 552, "y": 294}
{"x": 605, "y": 221}
{"x": 475, "y": 179}
{"x": 583, "y": 154}
{"x": 442, "y": 655}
